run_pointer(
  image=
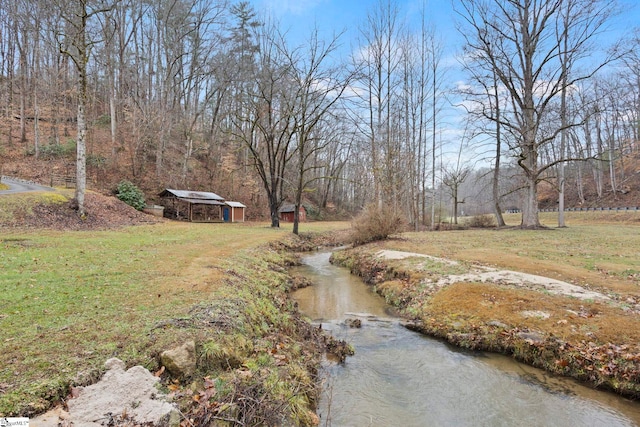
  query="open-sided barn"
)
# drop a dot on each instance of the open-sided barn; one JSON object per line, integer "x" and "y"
{"x": 200, "y": 206}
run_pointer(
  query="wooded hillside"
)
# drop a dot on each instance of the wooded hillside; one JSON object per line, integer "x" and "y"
{"x": 203, "y": 95}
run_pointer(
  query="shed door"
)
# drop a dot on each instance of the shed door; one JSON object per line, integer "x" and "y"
{"x": 225, "y": 214}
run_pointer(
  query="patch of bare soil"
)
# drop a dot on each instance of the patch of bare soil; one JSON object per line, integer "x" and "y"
{"x": 103, "y": 213}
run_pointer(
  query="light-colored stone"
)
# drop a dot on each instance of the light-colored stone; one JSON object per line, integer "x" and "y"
{"x": 497, "y": 324}
{"x": 132, "y": 392}
{"x": 531, "y": 337}
{"x": 180, "y": 361}
{"x": 53, "y": 418}
{"x": 535, "y": 313}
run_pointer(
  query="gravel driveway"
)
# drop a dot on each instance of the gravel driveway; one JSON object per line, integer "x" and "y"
{"x": 21, "y": 186}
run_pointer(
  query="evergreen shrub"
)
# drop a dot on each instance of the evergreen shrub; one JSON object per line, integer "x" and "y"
{"x": 129, "y": 193}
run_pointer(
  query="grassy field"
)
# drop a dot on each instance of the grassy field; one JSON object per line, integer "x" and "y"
{"x": 72, "y": 299}
{"x": 600, "y": 249}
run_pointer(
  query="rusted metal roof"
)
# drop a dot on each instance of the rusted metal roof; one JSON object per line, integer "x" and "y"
{"x": 193, "y": 196}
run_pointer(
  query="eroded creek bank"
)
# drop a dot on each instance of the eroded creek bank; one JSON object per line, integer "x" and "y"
{"x": 542, "y": 322}
{"x": 399, "y": 377}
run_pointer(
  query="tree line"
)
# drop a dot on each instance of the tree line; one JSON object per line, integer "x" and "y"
{"x": 198, "y": 93}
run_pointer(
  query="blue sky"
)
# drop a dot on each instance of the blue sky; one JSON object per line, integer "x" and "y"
{"x": 332, "y": 16}
{"x": 335, "y": 16}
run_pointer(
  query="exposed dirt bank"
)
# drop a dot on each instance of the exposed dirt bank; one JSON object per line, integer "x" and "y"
{"x": 563, "y": 328}
{"x": 55, "y": 210}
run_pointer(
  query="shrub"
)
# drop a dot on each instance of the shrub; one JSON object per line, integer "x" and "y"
{"x": 103, "y": 121}
{"x": 96, "y": 160}
{"x": 56, "y": 151}
{"x": 482, "y": 221}
{"x": 130, "y": 194}
{"x": 375, "y": 223}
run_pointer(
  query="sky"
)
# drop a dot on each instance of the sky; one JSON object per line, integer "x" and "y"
{"x": 333, "y": 16}
{"x": 298, "y": 17}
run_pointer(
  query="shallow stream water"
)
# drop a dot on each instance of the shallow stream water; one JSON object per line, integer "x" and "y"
{"x": 401, "y": 378}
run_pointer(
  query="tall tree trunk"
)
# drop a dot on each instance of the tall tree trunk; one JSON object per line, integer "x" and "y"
{"x": 81, "y": 59}
{"x": 495, "y": 187}
{"x": 564, "y": 46}
{"x": 299, "y": 190}
{"x": 36, "y": 124}
{"x": 598, "y": 163}
{"x": 530, "y": 217}
{"x": 455, "y": 205}
{"x": 81, "y": 155}
{"x": 433, "y": 153}
{"x": 529, "y": 163}
{"x": 580, "y": 183}
{"x": 113, "y": 117}
{"x": 23, "y": 102}
{"x": 274, "y": 205}
{"x": 612, "y": 169}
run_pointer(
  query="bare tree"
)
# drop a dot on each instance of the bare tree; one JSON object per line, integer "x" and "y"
{"x": 519, "y": 40}
{"x": 77, "y": 44}
{"x": 453, "y": 178}
{"x": 485, "y": 101}
{"x": 318, "y": 87}
{"x": 495, "y": 185}
{"x": 266, "y": 125}
{"x": 377, "y": 63}
{"x": 420, "y": 55}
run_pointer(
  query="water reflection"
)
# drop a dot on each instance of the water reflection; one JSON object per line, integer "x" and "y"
{"x": 400, "y": 378}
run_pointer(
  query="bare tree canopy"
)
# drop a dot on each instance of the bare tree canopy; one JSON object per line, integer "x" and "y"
{"x": 534, "y": 48}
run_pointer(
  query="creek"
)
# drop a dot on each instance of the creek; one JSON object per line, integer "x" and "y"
{"x": 401, "y": 378}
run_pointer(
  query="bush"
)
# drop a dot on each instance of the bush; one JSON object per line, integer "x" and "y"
{"x": 374, "y": 224}
{"x": 56, "y": 151}
{"x": 130, "y": 194}
{"x": 482, "y": 221}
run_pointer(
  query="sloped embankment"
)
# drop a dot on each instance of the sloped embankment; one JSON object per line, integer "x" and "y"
{"x": 562, "y": 328}
{"x": 257, "y": 357}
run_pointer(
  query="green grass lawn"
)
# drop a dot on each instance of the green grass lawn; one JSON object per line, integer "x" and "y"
{"x": 70, "y": 300}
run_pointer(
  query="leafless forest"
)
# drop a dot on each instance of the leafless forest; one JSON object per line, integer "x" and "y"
{"x": 212, "y": 95}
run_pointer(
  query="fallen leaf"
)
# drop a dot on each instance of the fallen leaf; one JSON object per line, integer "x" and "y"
{"x": 159, "y": 372}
